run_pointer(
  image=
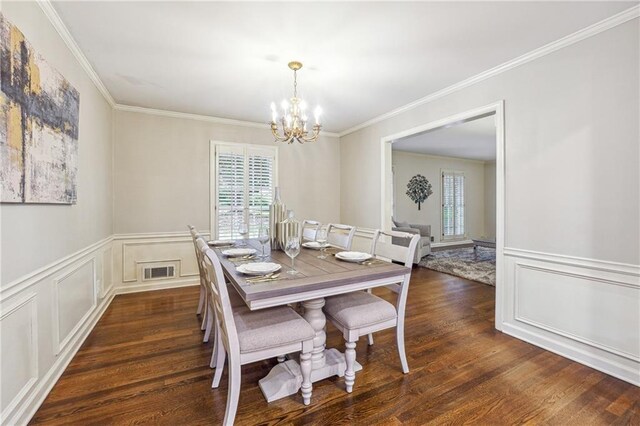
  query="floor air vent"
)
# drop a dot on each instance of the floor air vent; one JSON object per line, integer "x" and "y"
{"x": 158, "y": 272}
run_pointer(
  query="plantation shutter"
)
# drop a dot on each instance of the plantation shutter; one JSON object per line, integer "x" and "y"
{"x": 245, "y": 178}
{"x": 261, "y": 173}
{"x": 230, "y": 169}
{"x": 453, "y": 204}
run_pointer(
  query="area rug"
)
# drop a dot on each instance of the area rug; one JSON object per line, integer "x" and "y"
{"x": 461, "y": 263}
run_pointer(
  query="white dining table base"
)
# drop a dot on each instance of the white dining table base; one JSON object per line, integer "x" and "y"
{"x": 286, "y": 378}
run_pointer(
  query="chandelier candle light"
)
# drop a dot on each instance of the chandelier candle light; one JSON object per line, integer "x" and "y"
{"x": 294, "y": 116}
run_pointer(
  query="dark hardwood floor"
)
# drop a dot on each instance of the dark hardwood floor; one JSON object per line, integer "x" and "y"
{"x": 145, "y": 363}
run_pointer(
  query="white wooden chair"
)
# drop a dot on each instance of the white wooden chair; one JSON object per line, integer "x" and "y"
{"x": 202, "y": 302}
{"x": 250, "y": 336}
{"x": 360, "y": 313}
{"x": 209, "y": 323}
{"x": 310, "y": 230}
{"x": 340, "y": 235}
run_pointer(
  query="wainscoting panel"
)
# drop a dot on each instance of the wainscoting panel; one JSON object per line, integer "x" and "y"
{"x": 44, "y": 319}
{"x": 74, "y": 298}
{"x": 133, "y": 252}
{"x": 586, "y": 310}
{"x": 19, "y": 367}
{"x": 106, "y": 284}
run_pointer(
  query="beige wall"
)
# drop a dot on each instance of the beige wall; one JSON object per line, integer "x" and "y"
{"x": 406, "y": 165}
{"x": 571, "y": 138}
{"x": 490, "y": 199}
{"x": 35, "y": 235}
{"x": 161, "y": 180}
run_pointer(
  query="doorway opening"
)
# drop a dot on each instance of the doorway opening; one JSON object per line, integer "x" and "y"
{"x": 459, "y": 163}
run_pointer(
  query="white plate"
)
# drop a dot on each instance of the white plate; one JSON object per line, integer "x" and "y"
{"x": 353, "y": 256}
{"x": 314, "y": 245}
{"x": 258, "y": 268}
{"x": 220, "y": 243}
{"x": 235, "y": 252}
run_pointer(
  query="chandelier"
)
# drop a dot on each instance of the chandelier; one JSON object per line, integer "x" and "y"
{"x": 292, "y": 126}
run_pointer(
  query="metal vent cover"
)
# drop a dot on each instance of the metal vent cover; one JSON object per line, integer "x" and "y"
{"x": 158, "y": 272}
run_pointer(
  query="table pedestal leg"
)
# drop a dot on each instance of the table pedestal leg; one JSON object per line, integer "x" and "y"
{"x": 286, "y": 378}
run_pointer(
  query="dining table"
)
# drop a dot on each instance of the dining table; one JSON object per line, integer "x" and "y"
{"x": 315, "y": 280}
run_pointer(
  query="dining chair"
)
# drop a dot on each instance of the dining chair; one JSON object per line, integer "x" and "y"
{"x": 310, "y": 230}
{"x": 209, "y": 323}
{"x": 249, "y": 336}
{"x": 340, "y": 235}
{"x": 360, "y": 313}
{"x": 202, "y": 301}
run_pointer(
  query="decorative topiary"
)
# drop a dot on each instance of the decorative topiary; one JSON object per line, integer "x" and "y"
{"x": 419, "y": 189}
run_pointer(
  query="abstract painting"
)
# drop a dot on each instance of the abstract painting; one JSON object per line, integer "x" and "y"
{"x": 39, "y": 113}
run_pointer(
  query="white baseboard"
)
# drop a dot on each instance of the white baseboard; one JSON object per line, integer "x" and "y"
{"x": 156, "y": 285}
{"x": 628, "y": 373}
{"x": 451, "y": 243}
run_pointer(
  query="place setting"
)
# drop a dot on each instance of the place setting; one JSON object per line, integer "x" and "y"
{"x": 358, "y": 257}
{"x": 239, "y": 255}
{"x": 260, "y": 271}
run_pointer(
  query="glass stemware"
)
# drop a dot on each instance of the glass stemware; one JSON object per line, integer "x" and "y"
{"x": 292, "y": 249}
{"x": 263, "y": 238}
{"x": 321, "y": 238}
{"x": 243, "y": 230}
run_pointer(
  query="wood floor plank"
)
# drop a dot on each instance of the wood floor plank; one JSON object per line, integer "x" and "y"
{"x": 145, "y": 363}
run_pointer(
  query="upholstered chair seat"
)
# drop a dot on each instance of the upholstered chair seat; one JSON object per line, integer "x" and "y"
{"x": 359, "y": 310}
{"x": 270, "y": 328}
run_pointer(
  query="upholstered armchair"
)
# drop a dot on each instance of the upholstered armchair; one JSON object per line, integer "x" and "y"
{"x": 424, "y": 245}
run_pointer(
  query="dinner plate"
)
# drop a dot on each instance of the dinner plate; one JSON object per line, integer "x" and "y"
{"x": 220, "y": 243}
{"x": 258, "y": 268}
{"x": 353, "y": 256}
{"x": 314, "y": 245}
{"x": 235, "y": 252}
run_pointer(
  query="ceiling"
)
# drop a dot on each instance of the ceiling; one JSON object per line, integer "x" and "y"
{"x": 361, "y": 59}
{"x": 474, "y": 140}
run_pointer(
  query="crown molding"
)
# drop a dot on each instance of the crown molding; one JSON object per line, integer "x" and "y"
{"x": 579, "y": 35}
{"x": 598, "y": 27}
{"x": 66, "y": 36}
{"x": 208, "y": 118}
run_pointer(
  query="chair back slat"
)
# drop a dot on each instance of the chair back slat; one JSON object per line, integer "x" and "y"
{"x": 381, "y": 248}
{"x": 388, "y": 250}
{"x": 221, "y": 303}
{"x": 195, "y": 235}
{"x": 340, "y": 235}
{"x": 310, "y": 230}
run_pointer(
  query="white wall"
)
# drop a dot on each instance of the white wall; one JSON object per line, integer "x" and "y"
{"x": 572, "y": 134}
{"x": 162, "y": 175}
{"x": 61, "y": 229}
{"x": 407, "y": 164}
{"x": 161, "y": 184}
{"x": 56, "y": 259}
{"x": 490, "y": 199}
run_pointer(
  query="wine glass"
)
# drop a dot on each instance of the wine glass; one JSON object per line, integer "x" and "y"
{"x": 321, "y": 238}
{"x": 243, "y": 230}
{"x": 263, "y": 238}
{"x": 292, "y": 249}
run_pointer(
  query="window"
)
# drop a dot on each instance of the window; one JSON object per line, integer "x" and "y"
{"x": 244, "y": 179}
{"x": 452, "y": 204}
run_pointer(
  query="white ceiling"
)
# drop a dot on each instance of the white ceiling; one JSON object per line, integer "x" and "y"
{"x": 474, "y": 140}
{"x": 362, "y": 59}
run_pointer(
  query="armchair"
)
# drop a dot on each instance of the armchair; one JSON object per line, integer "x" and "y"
{"x": 424, "y": 245}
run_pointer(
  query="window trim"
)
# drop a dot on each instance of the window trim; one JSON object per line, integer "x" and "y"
{"x": 213, "y": 177}
{"x": 457, "y": 237}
